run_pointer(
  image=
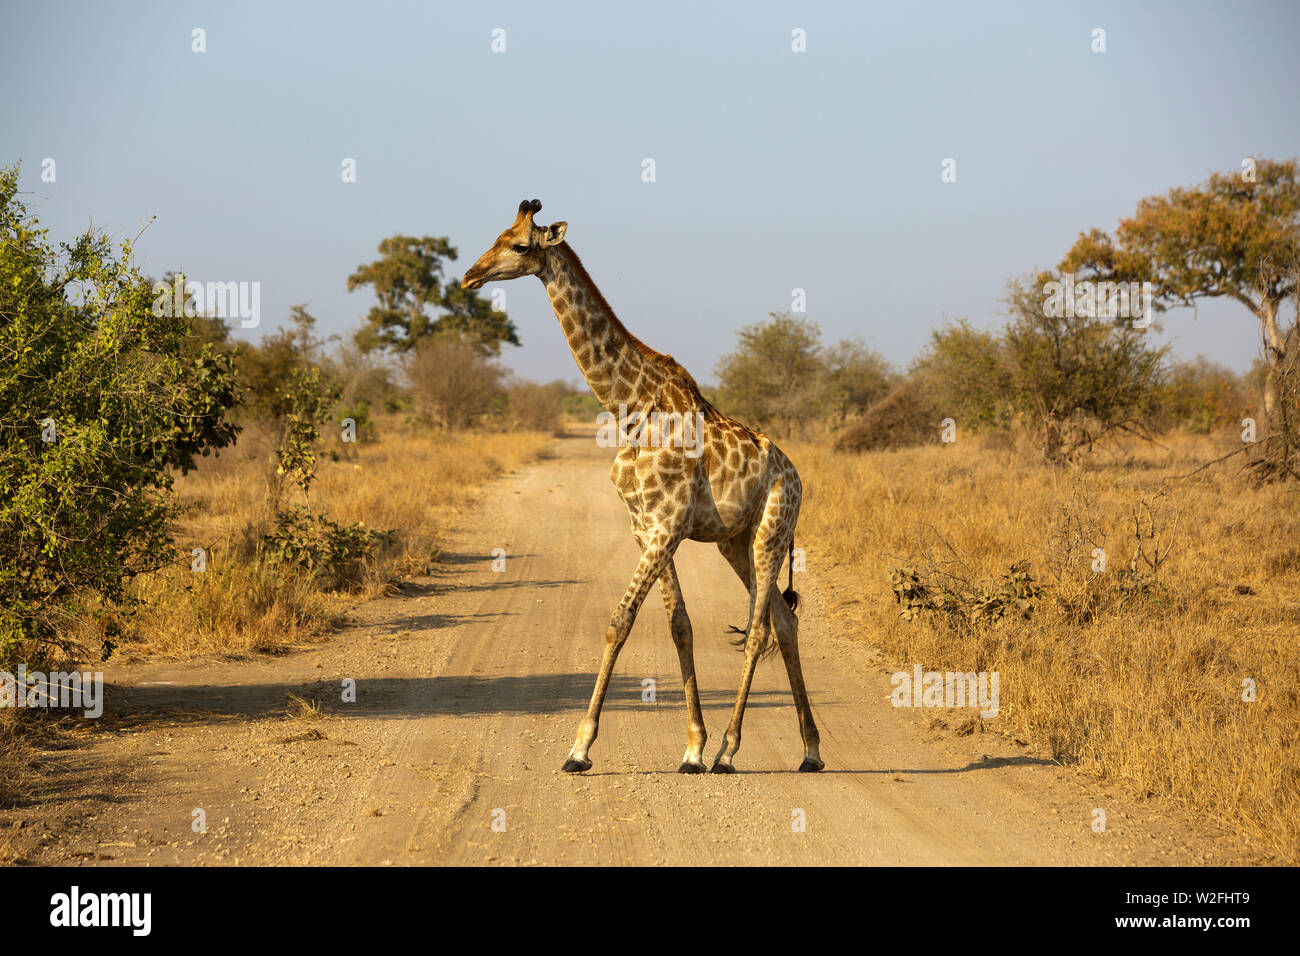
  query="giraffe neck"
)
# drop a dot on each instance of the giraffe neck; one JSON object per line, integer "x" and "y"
{"x": 619, "y": 368}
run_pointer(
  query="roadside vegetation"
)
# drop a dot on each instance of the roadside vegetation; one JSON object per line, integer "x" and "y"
{"x": 1144, "y": 625}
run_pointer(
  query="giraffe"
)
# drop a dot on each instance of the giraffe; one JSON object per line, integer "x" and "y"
{"x": 691, "y": 473}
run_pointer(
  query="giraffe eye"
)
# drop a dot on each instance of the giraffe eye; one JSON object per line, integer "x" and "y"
{"x": 521, "y": 249}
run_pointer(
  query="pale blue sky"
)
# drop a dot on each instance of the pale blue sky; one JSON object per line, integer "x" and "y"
{"x": 775, "y": 170}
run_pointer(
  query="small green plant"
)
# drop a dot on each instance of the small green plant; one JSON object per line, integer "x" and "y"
{"x": 1015, "y": 592}
{"x": 305, "y": 400}
{"x": 336, "y": 554}
{"x": 909, "y": 592}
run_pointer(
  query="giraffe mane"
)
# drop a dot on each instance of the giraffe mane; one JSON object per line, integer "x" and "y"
{"x": 659, "y": 358}
{"x": 581, "y": 271}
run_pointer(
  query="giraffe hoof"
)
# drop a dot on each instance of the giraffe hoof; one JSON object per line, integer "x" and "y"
{"x": 576, "y": 766}
{"x": 721, "y": 767}
{"x": 811, "y": 766}
{"x": 689, "y": 767}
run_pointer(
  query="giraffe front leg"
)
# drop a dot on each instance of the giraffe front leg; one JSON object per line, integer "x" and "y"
{"x": 651, "y": 566}
{"x": 578, "y": 760}
{"x": 680, "y": 625}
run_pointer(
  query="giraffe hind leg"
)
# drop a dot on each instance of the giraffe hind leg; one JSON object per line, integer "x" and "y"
{"x": 787, "y": 637}
{"x": 786, "y": 624}
{"x": 769, "y": 538}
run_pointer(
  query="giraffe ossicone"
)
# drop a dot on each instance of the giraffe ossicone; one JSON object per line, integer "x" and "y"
{"x": 730, "y": 486}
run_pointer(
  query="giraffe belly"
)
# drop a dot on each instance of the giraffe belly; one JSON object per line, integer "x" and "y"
{"x": 722, "y": 512}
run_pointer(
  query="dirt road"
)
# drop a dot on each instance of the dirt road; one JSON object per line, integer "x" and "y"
{"x": 469, "y": 686}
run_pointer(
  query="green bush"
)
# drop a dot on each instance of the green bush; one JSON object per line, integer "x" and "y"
{"x": 337, "y": 555}
{"x": 101, "y": 401}
{"x": 1079, "y": 380}
{"x": 966, "y": 376}
{"x": 582, "y": 405}
{"x": 302, "y": 402}
{"x": 359, "y": 412}
{"x": 781, "y": 377}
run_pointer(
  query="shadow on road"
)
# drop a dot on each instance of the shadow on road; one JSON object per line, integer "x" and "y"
{"x": 989, "y": 763}
{"x": 456, "y": 695}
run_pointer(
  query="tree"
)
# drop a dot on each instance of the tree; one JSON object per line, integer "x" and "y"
{"x": 102, "y": 399}
{"x": 1205, "y": 395}
{"x": 408, "y": 279}
{"x": 535, "y": 406}
{"x": 781, "y": 376}
{"x": 1079, "y": 378}
{"x": 966, "y": 374}
{"x": 774, "y": 375}
{"x": 303, "y": 403}
{"x": 205, "y": 330}
{"x": 473, "y": 316}
{"x": 452, "y": 383}
{"x": 1235, "y": 235}
{"x": 854, "y": 378}
{"x": 338, "y": 555}
{"x": 267, "y": 367}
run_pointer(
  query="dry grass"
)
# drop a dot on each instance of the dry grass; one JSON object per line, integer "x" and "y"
{"x": 1142, "y": 684}
{"x": 301, "y": 708}
{"x": 412, "y": 481}
{"x": 16, "y": 759}
{"x": 27, "y": 738}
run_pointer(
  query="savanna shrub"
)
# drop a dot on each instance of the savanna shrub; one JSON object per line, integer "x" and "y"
{"x": 337, "y": 555}
{"x": 101, "y": 402}
{"x": 902, "y": 418}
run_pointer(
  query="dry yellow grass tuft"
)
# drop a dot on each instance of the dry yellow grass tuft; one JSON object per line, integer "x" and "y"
{"x": 412, "y": 481}
{"x": 1134, "y": 674}
{"x": 302, "y": 708}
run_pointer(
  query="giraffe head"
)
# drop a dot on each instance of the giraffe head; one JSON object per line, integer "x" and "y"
{"x": 519, "y": 251}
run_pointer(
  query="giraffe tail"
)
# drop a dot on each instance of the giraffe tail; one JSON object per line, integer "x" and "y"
{"x": 790, "y": 594}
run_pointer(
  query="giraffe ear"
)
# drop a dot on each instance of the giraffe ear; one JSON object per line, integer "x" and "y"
{"x": 555, "y": 233}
